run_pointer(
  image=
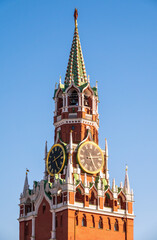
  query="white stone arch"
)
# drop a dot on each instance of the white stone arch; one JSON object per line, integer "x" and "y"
{"x": 40, "y": 198}
{"x": 57, "y": 92}
{"x": 72, "y": 86}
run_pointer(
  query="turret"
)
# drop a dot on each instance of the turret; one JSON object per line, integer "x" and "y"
{"x": 26, "y": 185}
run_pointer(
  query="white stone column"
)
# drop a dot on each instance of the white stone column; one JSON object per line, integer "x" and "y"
{"x": 66, "y": 102}
{"x": 55, "y": 112}
{"x": 63, "y": 101}
{"x": 93, "y": 105}
{"x": 53, "y": 232}
{"x": 79, "y": 105}
{"x": 82, "y": 102}
{"x": 33, "y": 229}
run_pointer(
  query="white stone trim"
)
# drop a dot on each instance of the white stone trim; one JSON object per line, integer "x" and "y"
{"x": 41, "y": 196}
{"x": 100, "y": 212}
{"x": 76, "y": 120}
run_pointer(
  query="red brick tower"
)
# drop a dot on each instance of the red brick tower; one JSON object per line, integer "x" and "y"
{"x": 75, "y": 201}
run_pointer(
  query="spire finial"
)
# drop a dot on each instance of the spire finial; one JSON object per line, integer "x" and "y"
{"x": 126, "y": 182}
{"x": 75, "y": 16}
{"x": 27, "y": 171}
{"x": 126, "y": 168}
{"x": 60, "y": 80}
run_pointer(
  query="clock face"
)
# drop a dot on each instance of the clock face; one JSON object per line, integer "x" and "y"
{"x": 55, "y": 159}
{"x": 90, "y": 157}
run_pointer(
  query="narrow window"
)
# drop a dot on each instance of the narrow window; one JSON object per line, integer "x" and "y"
{"x": 109, "y": 224}
{"x": 100, "y": 223}
{"x": 107, "y": 200}
{"x": 124, "y": 226}
{"x": 76, "y": 220}
{"x": 84, "y": 222}
{"x": 93, "y": 221}
{"x": 116, "y": 227}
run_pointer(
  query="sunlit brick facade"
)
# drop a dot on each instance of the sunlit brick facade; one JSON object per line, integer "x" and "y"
{"x": 76, "y": 202}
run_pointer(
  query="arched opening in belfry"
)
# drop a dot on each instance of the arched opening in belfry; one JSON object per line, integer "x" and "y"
{"x": 121, "y": 201}
{"x": 28, "y": 206}
{"x": 59, "y": 103}
{"x": 73, "y": 98}
{"x": 87, "y": 98}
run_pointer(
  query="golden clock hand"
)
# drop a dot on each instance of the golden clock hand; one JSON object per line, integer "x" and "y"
{"x": 57, "y": 165}
{"x": 56, "y": 158}
{"x": 92, "y": 160}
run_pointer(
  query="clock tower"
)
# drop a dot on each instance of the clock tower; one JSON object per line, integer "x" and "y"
{"x": 74, "y": 200}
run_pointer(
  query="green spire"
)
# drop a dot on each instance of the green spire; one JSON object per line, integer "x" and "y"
{"x": 76, "y": 71}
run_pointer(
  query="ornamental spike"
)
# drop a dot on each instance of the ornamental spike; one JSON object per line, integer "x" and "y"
{"x": 26, "y": 185}
{"x": 75, "y": 16}
{"x": 126, "y": 182}
{"x": 106, "y": 158}
{"x": 60, "y": 80}
{"x": 85, "y": 180}
{"x": 113, "y": 185}
{"x": 45, "y": 159}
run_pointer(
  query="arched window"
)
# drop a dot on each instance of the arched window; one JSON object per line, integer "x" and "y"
{"x": 107, "y": 200}
{"x": 59, "y": 198}
{"x": 116, "y": 226}
{"x": 84, "y": 222}
{"x": 92, "y": 199}
{"x": 86, "y": 103}
{"x": 124, "y": 226}
{"x": 76, "y": 220}
{"x": 73, "y": 98}
{"x": 100, "y": 223}
{"x": 109, "y": 223}
{"x": 93, "y": 221}
{"x": 78, "y": 196}
{"x": 121, "y": 202}
{"x": 28, "y": 206}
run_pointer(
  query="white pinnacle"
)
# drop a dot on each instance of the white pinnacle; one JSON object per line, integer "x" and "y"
{"x": 126, "y": 182}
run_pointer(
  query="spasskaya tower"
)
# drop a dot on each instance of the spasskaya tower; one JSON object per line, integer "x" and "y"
{"x": 74, "y": 200}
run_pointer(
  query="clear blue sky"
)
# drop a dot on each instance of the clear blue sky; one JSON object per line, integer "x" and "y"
{"x": 119, "y": 42}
